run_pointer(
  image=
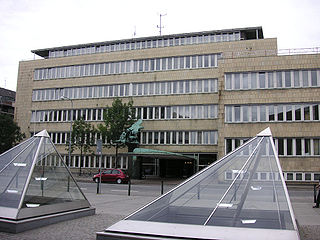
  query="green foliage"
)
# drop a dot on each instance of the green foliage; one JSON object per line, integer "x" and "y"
{"x": 117, "y": 119}
{"x": 9, "y": 132}
{"x": 82, "y": 138}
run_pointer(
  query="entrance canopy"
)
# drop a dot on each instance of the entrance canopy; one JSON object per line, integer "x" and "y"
{"x": 241, "y": 196}
{"x": 144, "y": 152}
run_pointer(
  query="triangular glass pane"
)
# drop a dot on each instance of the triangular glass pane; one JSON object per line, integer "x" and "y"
{"x": 7, "y": 156}
{"x": 15, "y": 167}
{"x": 257, "y": 197}
{"x": 244, "y": 189}
{"x": 50, "y": 185}
{"x": 35, "y": 181}
{"x": 193, "y": 201}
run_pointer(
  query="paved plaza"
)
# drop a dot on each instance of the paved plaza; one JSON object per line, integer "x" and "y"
{"x": 114, "y": 203}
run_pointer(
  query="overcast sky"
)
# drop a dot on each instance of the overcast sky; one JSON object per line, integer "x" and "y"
{"x": 27, "y": 25}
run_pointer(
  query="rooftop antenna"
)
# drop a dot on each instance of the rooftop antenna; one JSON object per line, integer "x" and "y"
{"x": 160, "y": 26}
{"x": 135, "y": 31}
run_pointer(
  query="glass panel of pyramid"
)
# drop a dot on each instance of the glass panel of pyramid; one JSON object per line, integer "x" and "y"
{"x": 244, "y": 190}
{"x": 36, "y": 182}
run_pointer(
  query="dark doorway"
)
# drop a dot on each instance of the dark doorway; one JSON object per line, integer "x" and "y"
{"x": 173, "y": 168}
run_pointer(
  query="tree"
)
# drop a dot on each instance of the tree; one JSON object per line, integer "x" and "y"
{"x": 117, "y": 119}
{"x": 82, "y": 138}
{"x": 9, "y": 132}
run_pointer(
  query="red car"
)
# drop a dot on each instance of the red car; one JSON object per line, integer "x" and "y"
{"x": 112, "y": 175}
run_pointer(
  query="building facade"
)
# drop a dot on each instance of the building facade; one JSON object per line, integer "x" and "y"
{"x": 7, "y": 99}
{"x": 199, "y": 94}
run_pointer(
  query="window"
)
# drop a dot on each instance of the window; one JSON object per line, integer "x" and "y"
{"x": 245, "y": 112}
{"x": 245, "y": 80}
{"x": 237, "y": 113}
{"x": 156, "y": 138}
{"x": 306, "y": 113}
{"x": 253, "y": 80}
{"x": 315, "y": 111}
{"x": 228, "y": 82}
{"x": 254, "y": 113}
{"x": 298, "y": 147}
{"x": 262, "y": 79}
{"x": 289, "y": 113}
{"x": 297, "y": 113}
{"x": 289, "y": 147}
{"x": 316, "y": 146}
{"x": 280, "y": 146}
{"x": 305, "y": 79}
{"x": 228, "y": 145}
{"x": 279, "y": 79}
{"x": 228, "y": 113}
{"x": 307, "y": 147}
{"x": 271, "y": 113}
{"x": 263, "y": 117}
{"x": 296, "y": 77}
{"x": 270, "y": 80}
{"x": 287, "y": 79}
{"x": 237, "y": 81}
{"x": 314, "y": 78}
{"x": 280, "y": 113}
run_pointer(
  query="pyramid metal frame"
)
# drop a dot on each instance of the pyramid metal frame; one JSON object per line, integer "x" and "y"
{"x": 32, "y": 192}
{"x": 217, "y": 203}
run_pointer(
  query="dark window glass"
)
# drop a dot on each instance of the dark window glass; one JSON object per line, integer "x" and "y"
{"x": 297, "y": 113}
{"x": 280, "y": 147}
{"x": 289, "y": 113}
{"x": 289, "y": 147}
{"x": 298, "y": 147}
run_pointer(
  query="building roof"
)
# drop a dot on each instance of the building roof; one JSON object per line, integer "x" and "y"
{"x": 44, "y": 52}
{"x": 7, "y": 93}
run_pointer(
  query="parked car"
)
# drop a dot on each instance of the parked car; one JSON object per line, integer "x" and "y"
{"x": 112, "y": 175}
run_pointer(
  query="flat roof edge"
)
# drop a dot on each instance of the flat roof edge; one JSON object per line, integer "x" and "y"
{"x": 38, "y": 51}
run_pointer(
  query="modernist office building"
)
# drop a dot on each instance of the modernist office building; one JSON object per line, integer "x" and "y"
{"x": 201, "y": 94}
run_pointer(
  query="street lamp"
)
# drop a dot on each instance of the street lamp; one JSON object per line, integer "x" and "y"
{"x": 71, "y": 119}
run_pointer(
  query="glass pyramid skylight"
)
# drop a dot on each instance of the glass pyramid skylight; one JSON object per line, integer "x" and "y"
{"x": 30, "y": 187}
{"x": 241, "y": 196}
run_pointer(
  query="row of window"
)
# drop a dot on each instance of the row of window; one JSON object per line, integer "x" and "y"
{"x": 143, "y": 44}
{"x": 272, "y": 113}
{"x": 145, "y": 113}
{"x": 181, "y": 112}
{"x": 179, "y": 137}
{"x": 129, "y": 66}
{"x": 284, "y": 146}
{"x": 272, "y": 79}
{"x": 175, "y": 87}
{"x": 88, "y": 161}
{"x": 158, "y": 137}
{"x": 132, "y": 89}
{"x": 269, "y": 176}
{"x": 108, "y": 161}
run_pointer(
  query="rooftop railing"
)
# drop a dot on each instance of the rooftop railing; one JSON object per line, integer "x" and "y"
{"x": 265, "y": 53}
{"x": 295, "y": 51}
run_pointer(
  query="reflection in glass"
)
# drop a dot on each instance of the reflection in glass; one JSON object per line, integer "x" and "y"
{"x": 243, "y": 191}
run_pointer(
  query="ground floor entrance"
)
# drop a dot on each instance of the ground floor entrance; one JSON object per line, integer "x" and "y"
{"x": 171, "y": 166}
